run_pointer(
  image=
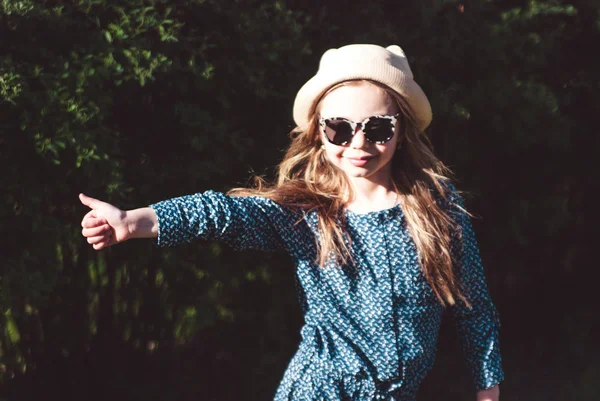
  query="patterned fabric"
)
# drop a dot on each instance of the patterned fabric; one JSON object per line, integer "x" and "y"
{"x": 371, "y": 326}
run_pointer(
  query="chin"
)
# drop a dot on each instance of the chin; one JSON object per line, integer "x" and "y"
{"x": 358, "y": 174}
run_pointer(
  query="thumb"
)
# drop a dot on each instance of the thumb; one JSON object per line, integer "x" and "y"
{"x": 90, "y": 202}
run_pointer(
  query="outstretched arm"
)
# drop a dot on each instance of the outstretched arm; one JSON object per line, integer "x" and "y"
{"x": 106, "y": 225}
{"x": 247, "y": 222}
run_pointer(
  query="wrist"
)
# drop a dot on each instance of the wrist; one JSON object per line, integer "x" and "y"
{"x": 141, "y": 223}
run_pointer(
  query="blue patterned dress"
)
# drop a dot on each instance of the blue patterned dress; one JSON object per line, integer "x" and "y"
{"x": 371, "y": 326}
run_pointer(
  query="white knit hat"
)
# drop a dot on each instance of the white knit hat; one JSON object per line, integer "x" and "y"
{"x": 388, "y": 66}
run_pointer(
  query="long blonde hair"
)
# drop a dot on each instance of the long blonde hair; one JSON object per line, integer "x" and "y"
{"x": 307, "y": 180}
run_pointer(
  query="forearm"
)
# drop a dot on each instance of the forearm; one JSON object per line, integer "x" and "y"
{"x": 142, "y": 223}
{"x": 491, "y": 394}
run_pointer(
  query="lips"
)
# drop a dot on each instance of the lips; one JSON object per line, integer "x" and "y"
{"x": 359, "y": 161}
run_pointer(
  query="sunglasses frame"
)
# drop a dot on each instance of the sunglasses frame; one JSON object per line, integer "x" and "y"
{"x": 361, "y": 124}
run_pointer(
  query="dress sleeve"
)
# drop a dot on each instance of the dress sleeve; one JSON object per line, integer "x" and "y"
{"x": 478, "y": 325}
{"x": 245, "y": 222}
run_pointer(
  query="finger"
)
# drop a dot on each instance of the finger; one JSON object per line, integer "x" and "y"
{"x": 93, "y": 222}
{"x": 90, "y": 214}
{"x": 101, "y": 245}
{"x": 95, "y": 231}
{"x": 97, "y": 239}
{"x": 90, "y": 202}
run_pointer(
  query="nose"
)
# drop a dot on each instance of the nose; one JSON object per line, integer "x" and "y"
{"x": 358, "y": 140}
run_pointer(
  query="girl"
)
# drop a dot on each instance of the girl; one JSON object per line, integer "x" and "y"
{"x": 380, "y": 238}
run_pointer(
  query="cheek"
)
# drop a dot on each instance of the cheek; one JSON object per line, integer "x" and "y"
{"x": 333, "y": 153}
{"x": 387, "y": 153}
{"x": 393, "y": 146}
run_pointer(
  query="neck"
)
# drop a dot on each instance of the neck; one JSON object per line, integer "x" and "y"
{"x": 372, "y": 194}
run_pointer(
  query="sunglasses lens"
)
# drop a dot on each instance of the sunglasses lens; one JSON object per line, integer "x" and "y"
{"x": 339, "y": 132}
{"x": 379, "y": 130}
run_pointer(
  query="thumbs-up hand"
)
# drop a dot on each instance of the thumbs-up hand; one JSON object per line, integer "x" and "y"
{"x": 104, "y": 224}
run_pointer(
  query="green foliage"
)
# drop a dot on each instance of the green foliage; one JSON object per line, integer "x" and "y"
{"x": 10, "y": 86}
{"x": 12, "y": 7}
{"x": 134, "y": 101}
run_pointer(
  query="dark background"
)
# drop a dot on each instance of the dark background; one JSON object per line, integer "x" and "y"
{"x": 134, "y": 101}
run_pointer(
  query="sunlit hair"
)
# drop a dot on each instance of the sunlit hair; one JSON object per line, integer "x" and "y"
{"x": 308, "y": 181}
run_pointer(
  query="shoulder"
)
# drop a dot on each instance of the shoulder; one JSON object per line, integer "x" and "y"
{"x": 447, "y": 195}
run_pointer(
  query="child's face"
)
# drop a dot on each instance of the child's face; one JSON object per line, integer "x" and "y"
{"x": 360, "y": 159}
